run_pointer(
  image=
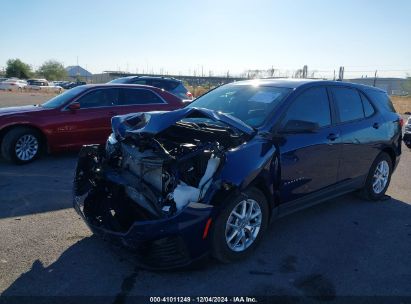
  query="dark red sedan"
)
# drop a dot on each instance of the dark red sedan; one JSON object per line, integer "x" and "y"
{"x": 76, "y": 117}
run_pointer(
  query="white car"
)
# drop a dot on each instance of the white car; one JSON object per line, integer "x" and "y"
{"x": 43, "y": 85}
{"x": 13, "y": 84}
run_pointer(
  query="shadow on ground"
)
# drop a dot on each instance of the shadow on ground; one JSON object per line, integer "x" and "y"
{"x": 342, "y": 247}
{"x": 41, "y": 186}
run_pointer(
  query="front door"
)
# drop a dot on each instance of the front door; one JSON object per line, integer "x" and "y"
{"x": 309, "y": 158}
{"x": 91, "y": 124}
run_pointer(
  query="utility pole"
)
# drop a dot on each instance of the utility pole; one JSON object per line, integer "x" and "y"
{"x": 375, "y": 78}
{"x": 341, "y": 74}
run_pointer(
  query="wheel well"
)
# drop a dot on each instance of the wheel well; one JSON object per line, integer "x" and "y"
{"x": 5, "y": 130}
{"x": 391, "y": 153}
{"x": 271, "y": 199}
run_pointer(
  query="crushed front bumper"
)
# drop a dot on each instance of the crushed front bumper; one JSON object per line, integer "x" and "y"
{"x": 169, "y": 242}
{"x": 164, "y": 243}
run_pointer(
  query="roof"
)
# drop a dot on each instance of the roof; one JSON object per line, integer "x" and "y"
{"x": 117, "y": 85}
{"x": 76, "y": 70}
{"x": 149, "y": 77}
{"x": 291, "y": 83}
{"x": 294, "y": 83}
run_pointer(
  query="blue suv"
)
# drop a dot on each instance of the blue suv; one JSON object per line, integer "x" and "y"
{"x": 168, "y": 84}
{"x": 207, "y": 178}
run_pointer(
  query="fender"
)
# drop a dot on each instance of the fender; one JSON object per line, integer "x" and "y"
{"x": 256, "y": 163}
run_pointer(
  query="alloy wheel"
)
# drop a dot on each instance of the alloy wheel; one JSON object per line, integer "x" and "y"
{"x": 26, "y": 147}
{"x": 243, "y": 225}
{"x": 380, "y": 178}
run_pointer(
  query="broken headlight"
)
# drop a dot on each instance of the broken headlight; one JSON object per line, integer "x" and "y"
{"x": 111, "y": 145}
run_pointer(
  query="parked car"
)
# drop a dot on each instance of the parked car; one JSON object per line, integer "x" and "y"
{"x": 178, "y": 185}
{"x": 171, "y": 85}
{"x": 43, "y": 85}
{"x": 407, "y": 133}
{"x": 70, "y": 85}
{"x": 13, "y": 84}
{"x": 58, "y": 83}
{"x": 76, "y": 117}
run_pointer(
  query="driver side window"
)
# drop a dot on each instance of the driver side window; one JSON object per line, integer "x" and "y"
{"x": 311, "y": 106}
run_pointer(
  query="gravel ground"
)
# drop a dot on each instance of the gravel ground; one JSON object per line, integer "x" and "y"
{"x": 9, "y": 99}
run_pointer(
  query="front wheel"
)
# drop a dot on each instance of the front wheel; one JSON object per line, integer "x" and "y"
{"x": 378, "y": 178}
{"x": 21, "y": 145}
{"x": 240, "y": 226}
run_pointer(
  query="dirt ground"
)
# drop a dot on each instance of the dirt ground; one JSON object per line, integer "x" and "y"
{"x": 402, "y": 103}
{"x": 9, "y": 99}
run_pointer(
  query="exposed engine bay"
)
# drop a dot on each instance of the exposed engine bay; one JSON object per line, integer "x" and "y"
{"x": 143, "y": 176}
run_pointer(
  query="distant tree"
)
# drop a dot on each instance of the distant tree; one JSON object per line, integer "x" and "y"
{"x": 52, "y": 70}
{"x": 17, "y": 68}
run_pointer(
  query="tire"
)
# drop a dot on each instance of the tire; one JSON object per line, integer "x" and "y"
{"x": 377, "y": 192}
{"x": 222, "y": 231}
{"x": 21, "y": 136}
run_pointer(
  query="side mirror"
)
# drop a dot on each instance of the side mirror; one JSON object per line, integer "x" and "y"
{"x": 74, "y": 106}
{"x": 300, "y": 126}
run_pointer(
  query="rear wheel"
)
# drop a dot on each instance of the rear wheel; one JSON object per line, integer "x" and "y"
{"x": 240, "y": 226}
{"x": 21, "y": 145}
{"x": 378, "y": 178}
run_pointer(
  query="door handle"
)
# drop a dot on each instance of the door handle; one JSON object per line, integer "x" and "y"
{"x": 332, "y": 136}
{"x": 376, "y": 125}
{"x": 112, "y": 113}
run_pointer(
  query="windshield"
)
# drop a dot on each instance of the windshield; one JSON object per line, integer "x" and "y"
{"x": 62, "y": 98}
{"x": 249, "y": 103}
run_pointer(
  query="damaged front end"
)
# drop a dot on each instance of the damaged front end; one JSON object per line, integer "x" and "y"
{"x": 153, "y": 181}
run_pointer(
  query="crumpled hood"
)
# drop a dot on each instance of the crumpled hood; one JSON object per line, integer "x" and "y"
{"x": 147, "y": 124}
{"x": 19, "y": 110}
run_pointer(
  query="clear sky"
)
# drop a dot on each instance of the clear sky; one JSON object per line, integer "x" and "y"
{"x": 182, "y": 36}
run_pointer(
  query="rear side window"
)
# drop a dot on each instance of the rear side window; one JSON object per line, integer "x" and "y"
{"x": 171, "y": 85}
{"x": 312, "y": 105}
{"x": 381, "y": 100}
{"x": 121, "y": 80}
{"x": 348, "y": 103}
{"x": 139, "y": 81}
{"x": 368, "y": 108}
{"x": 167, "y": 85}
{"x": 180, "y": 88}
{"x": 138, "y": 97}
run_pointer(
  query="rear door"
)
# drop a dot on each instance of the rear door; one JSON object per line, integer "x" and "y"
{"x": 309, "y": 160}
{"x": 359, "y": 125}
